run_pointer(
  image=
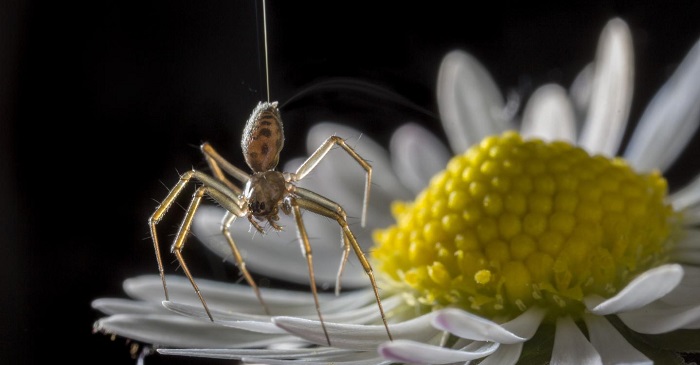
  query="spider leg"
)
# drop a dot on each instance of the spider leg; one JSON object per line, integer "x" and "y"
{"x": 321, "y": 152}
{"x": 225, "y": 224}
{"x": 216, "y": 190}
{"x": 306, "y": 250}
{"x": 218, "y": 165}
{"x": 328, "y": 208}
{"x": 318, "y": 204}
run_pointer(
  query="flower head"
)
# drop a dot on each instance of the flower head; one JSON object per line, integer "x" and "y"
{"x": 514, "y": 223}
{"x": 502, "y": 252}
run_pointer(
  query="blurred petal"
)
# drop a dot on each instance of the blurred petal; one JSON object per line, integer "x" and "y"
{"x": 549, "y": 115}
{"x": 644, "y": 289}
{"x": 413, "y": 352}
{"x": 611, "y": 93}
{"x": 691, "y": 216}
{"x": 469, "y": 100}
{"x": 571, "y": 346}
{"x": 358, "y": 337}
{"x": 580, "y": 91}
{"x": 612, "y": 347}
{"x": 688, "y": 291}
{"x": 688, "y": 196}
{"x": 417, "y": 156}
{"x": 347, "y": 187}
{"x": 278, "y": 254}
{"x": 660, "y": 317}
{"x": 670, "y": 120}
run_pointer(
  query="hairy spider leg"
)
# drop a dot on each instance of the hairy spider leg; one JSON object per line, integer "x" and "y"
{"x": 321, "y": 152}
{"x": 307, "y": 166}
{"x": 321, "y": 205}
{"x": 219, "y": 165}
{"x": 306, "y": 251}
{"x": 214, "y": 189}
{"x": 225, "y": 224}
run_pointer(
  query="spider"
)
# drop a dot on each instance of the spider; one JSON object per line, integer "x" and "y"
{"x": 266, "y": 193}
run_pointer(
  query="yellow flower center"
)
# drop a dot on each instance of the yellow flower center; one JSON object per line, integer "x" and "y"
{"x": 513, "y": 223}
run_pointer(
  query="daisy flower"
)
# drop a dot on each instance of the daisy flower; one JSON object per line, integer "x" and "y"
{"x": 532, "y": 238}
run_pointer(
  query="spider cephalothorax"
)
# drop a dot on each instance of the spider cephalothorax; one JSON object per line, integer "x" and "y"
{"x": 265, "y": 191}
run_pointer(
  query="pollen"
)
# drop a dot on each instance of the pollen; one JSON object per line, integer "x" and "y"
{"x": 513, "y": 223}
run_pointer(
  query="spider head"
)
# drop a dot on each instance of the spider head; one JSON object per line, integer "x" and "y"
{"x": 264, "y": 193}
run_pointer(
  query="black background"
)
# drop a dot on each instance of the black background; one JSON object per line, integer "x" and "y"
{"x": 102, "y": 103}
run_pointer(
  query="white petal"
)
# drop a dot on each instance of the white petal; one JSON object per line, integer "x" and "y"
{"x": 257, "y": 360}
{"x": 549, "y": 115}
{"x": 358, "y": 337}
{"x": 417, "y": 155}
{"x": 505, "y": 355}
{"x": 237, "y": 354}
{"x": 526, "y": 324}
{"x": 349, "y": 178}
{"x": 126, "y": 306}
{"x": 612, "y": 347}
{"x": 263, "y": 323}
{"x": 177, "y": 331}
{"x": 307, "y": 356}
{"x": 241, "y": 298}
{"x": 660, "y": 317}
{"x": 688, "y": 291}
{"x": 644, "y": 289}
{"x": 571, "y": 346}
{"x": 688, "y": 196}
{"x": 469, "y": 101}
{"x": 470, "y": 326}
{"x": 611, "y": 95}
{"x": 691, "y": 216}
{"x": 670, "y": 120}
{"x": 413, "y": 352}
{"x": 278, "y": 254}
{"x": 248, "y": 322}
{"x": 580, "y": 92}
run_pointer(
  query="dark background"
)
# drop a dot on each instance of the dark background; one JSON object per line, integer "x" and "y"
{"x": 102, "y": 103}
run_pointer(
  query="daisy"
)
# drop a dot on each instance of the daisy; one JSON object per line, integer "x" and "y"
{"x": 535, "y": 246}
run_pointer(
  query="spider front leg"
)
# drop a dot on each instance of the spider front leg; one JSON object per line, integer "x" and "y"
{"x": 211, "y": 187}
{"x": 321, "y": 152}
{"x": 318, "y": 204}
{"x": 226, "y": 223}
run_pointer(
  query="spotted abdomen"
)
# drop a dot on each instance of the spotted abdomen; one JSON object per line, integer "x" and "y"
{"x": 263, "y": 137}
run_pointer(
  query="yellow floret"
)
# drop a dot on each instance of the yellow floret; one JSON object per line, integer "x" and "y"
{"x": 512, "y": 223}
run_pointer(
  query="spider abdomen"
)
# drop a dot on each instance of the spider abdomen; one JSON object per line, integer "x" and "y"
{"x": 263, "y": 137}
